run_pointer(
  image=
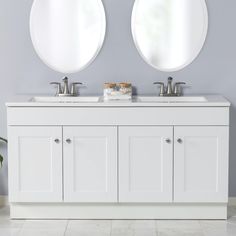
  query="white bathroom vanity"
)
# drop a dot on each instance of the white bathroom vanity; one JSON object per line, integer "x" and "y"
{"x": 152, "y": 158}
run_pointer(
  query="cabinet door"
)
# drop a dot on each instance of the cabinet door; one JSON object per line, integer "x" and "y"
{"x": 201, "y": 164}
{"x": 90, "y": 164}
{"x": 35, "y": 164}
{"x": 145, "y": 164}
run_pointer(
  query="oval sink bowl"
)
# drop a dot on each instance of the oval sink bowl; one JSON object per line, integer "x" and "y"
{"x": 65, "y": 99}
{"x": 172, "y": 99}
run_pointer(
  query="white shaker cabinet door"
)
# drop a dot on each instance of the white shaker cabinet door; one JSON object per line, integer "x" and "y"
{"x": 35, "y": 164}
{"x": 90, "y": 164}
{"x": 145, "y": 164}
{"x": 201, "y": 164}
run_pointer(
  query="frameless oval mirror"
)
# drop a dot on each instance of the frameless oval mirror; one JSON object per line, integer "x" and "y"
{"x": 67, "y": 34}
{"x": 169, "y": 34}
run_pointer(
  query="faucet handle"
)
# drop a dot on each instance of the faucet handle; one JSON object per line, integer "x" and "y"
{"x": 178, "y": 89}
{"x": 73, "y": 88}
{"x": 59, "y": 90}
{"x": 178, "y": 83}
{"x": 162, "y": 87}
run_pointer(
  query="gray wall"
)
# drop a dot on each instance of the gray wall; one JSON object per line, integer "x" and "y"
{"x": 21, "y": 71}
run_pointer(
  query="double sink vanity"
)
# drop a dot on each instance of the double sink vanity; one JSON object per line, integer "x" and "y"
{"x": 156, "y": 157}
{"x": 149, "y": 158}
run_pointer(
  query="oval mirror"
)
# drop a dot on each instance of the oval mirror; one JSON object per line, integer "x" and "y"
{"x": 169, "y": 34}
{"x": 67, "y": 34}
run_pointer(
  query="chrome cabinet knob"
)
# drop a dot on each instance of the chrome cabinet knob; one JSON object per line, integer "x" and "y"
{"x": 168, "y": 140}
{"x": 68, "y": 140}
{"x": 179, "y": 140}
{"x": 57, "y": 140}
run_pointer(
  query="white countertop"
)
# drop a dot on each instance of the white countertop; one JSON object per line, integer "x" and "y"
{"x": 211, "y": 101}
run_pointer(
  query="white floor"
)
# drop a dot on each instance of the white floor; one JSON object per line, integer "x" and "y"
{"x": 116, "y": 227}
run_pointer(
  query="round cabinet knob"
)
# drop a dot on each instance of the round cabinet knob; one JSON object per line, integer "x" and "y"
{"x": 179, "y": 140}
{"x": 68, "y": 140}
{"x": 57, "y": 140}
{"x": 168, "y": 140}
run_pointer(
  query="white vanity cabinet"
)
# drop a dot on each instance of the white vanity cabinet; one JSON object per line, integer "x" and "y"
{"x": 119, "y": 160}
{"x": 87, "y": 157}
{"x": 195, "y": 157}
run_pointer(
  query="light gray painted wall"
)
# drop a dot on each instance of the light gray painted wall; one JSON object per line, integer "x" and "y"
{"x": 21, "y": 71}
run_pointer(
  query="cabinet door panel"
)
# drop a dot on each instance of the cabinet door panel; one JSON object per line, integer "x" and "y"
{"x": 201, "y": 164}
{"x": 145, "y": 164}
{"x": 90, "y": 164}
{"x": 35, "y": 164}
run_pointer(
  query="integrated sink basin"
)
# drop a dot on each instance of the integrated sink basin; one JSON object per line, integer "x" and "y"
{"x": 65, "y": 99}
{"x": 172, "y": 99}
{"x": 139, "y": 99}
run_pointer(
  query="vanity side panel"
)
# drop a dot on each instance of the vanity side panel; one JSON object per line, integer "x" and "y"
{"x": 208, "y": 116}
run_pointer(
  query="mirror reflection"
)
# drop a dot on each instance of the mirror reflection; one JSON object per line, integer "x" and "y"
{"x": 67, "y": 34}
{"x": 169, "y": 34}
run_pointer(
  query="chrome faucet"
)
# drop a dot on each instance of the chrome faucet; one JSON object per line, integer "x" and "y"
{"x": 170, "y": 90}
{"x": 65, "y": 91}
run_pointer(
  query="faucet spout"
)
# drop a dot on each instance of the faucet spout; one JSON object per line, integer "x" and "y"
{"x": 169, "y": 91}
{"x": 66, "y": 90}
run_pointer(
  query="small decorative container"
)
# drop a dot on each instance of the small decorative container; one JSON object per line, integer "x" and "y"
{"x": 117, "y": 91}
